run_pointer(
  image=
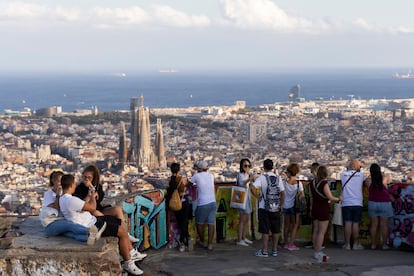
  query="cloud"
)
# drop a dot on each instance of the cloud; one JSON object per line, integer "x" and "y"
{"x": 172, "y": 17}
{"x": 120, "y": 16}
{"x": 16, "y": 11}
{"x": 262, "y": 14}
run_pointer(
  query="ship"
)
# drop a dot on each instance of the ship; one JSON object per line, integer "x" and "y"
{"x": 404, "y": 76}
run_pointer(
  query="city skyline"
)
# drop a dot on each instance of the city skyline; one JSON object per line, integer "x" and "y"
{"x": 188, "y": 35}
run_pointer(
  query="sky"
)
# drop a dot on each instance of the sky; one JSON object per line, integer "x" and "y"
{"x": 194, "y": 35}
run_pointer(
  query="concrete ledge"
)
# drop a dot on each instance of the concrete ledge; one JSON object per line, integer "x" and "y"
{"x": 34, "y": 253}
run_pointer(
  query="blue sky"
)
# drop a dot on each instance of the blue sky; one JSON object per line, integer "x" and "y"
{"x": 187, "y": 35}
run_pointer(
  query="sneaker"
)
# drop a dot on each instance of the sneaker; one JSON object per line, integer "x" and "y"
{"x": 92, "y": 234}
{"x": 292, "y": 247}
{"x": 248, "y": 241}
{"x": 182, "y": 248}
{"x": 95, "y": 233}
{"x": 242, "y": 243}
{"x": 274, "y": 253}
{"x": 210, "y": 247}
{"x": 136, "y": 255}
{"x": 346, "y": 247}
{"x": 131, "y": 268}
{"x": 286, "y": 245}
{"x": 320, "y": 256}
{"x": 385, "y": 247}
{"x": 132, "y": 238}
{"x": 261, "y": 253}
{"x": 358, "y": 246}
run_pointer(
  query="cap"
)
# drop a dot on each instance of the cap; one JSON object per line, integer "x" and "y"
{"x": 201, "y": 164}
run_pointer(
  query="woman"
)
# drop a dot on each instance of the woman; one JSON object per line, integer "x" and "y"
{"x": 55, "y": 224}
{"x": 242, "y": 180}
{"x": 91, "y": 180}
{"x": 290, "y": 213}
{"x": 321, "y": 195}
{"x": 379, "y": 205}
{"x": 182, "y": 216}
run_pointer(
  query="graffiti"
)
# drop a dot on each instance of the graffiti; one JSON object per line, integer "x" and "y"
{"x": 401, "y": 225}
{"x": 146, "y": 219}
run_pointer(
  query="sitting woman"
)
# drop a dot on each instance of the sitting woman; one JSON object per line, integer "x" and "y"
{"x": 54, "y": 223}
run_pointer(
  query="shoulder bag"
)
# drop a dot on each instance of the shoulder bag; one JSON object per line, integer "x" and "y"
{"x": 175, "y": 203}
{"x": 300, "y": 202}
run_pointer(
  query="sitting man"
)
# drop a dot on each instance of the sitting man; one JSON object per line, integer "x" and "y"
{"x": 80, "y": 211}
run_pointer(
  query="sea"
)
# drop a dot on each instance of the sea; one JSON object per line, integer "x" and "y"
{"x": 113, "y": 91}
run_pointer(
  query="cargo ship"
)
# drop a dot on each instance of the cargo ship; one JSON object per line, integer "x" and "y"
{"x": 404, "y": 76}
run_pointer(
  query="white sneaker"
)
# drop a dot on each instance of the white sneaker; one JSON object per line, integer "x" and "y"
{"x": 95, "y": 233}
{"x": 132, "y": 238}
{"x": 248, "y": 241}
{"x": 358, "y": 246}
{"x": 130, "y": 267}
{"x": 242, "y": 243}
{"x": 136, "y": 255}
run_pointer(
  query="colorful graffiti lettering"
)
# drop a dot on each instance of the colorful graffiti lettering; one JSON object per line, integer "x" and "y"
{"x": 146, "y": 219}
{"x": 401, "y": 225}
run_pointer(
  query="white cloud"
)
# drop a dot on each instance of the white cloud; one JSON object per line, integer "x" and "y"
{"x": 125, "y": 16}
{"x": 16, "y": 11}
{"x": 172, "y": 17}
{"x": 262, "y": 14}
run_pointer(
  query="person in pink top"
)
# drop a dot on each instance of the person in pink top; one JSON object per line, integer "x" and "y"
{"x": 379, "y": 205}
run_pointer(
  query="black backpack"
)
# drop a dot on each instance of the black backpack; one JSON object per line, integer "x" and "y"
{"x": 272, "y": 198}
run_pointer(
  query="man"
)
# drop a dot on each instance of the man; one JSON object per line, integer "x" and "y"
{"x": 352, "y": 181}
{"x": 270, "y": 205}
{"x": 80, "y": 211}
{"x": 206, "y": 202}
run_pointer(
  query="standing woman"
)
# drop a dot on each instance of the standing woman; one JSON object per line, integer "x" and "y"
{"x": 182, "y": 216}
{"x": 379, "y": 205}
{"x": 321, "y": 195}
{"x": 290, "y": 213}
{"x": 242, "y": 180}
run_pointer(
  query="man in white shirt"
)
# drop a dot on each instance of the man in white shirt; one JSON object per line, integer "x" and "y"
{"x": 270, "y": 205}
{"x": 206, "y": 202}
{"x": 352, "y": 182}
{"x": 79, "y": 211}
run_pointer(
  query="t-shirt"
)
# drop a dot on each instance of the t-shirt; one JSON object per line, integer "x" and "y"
{"x": 49, "y": 197}
{"x": 204, "y": 182}
{"x": 71, "y": 208}
{"x": 352, "y": 193}
{"x": 290, "y": 193}
{"x": 261, "y": 182}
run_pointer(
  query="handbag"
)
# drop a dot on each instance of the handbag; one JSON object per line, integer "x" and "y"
{"x": 175, "y": 203}
{"x": 337, "y": 215}
{"x": 238, "y": 197}
{"x": 337, "y": 212}
{"x": 300, "y": 202}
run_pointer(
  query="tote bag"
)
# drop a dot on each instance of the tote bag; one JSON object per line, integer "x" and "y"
{"x": 238, "y": 197}
{"x": 337, "y": 215}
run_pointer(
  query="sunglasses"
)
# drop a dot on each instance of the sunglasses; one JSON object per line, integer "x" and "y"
{"x": 247, "y": 166}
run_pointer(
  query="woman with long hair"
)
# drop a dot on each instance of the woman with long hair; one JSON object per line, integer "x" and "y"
{"x": 379, "y": 205}
{"x": 177, "y": 181}
{"x": 291, "y": 215}
{"x": 321, "y": 195}
{"x": 242, "y": 180}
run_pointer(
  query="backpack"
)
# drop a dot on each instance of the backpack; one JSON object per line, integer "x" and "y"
{"x": 272, "y": 198}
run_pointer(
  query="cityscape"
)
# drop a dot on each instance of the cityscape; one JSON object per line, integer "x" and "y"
{"x": 133, "y": 152}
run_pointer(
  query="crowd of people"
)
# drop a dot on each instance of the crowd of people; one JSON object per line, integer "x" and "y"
{"x": 279, "y": 196}
{"x": 76, "y": 210}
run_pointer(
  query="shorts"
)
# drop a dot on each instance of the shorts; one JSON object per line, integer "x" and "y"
{"x": 206, "y": 213}
{"x": 269, "y": 221}
{"x": 380, "y": 209}
{"x": 290, "y": 211}
{"x": 352, "y": 213}
{"x": 112, "y": 225}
